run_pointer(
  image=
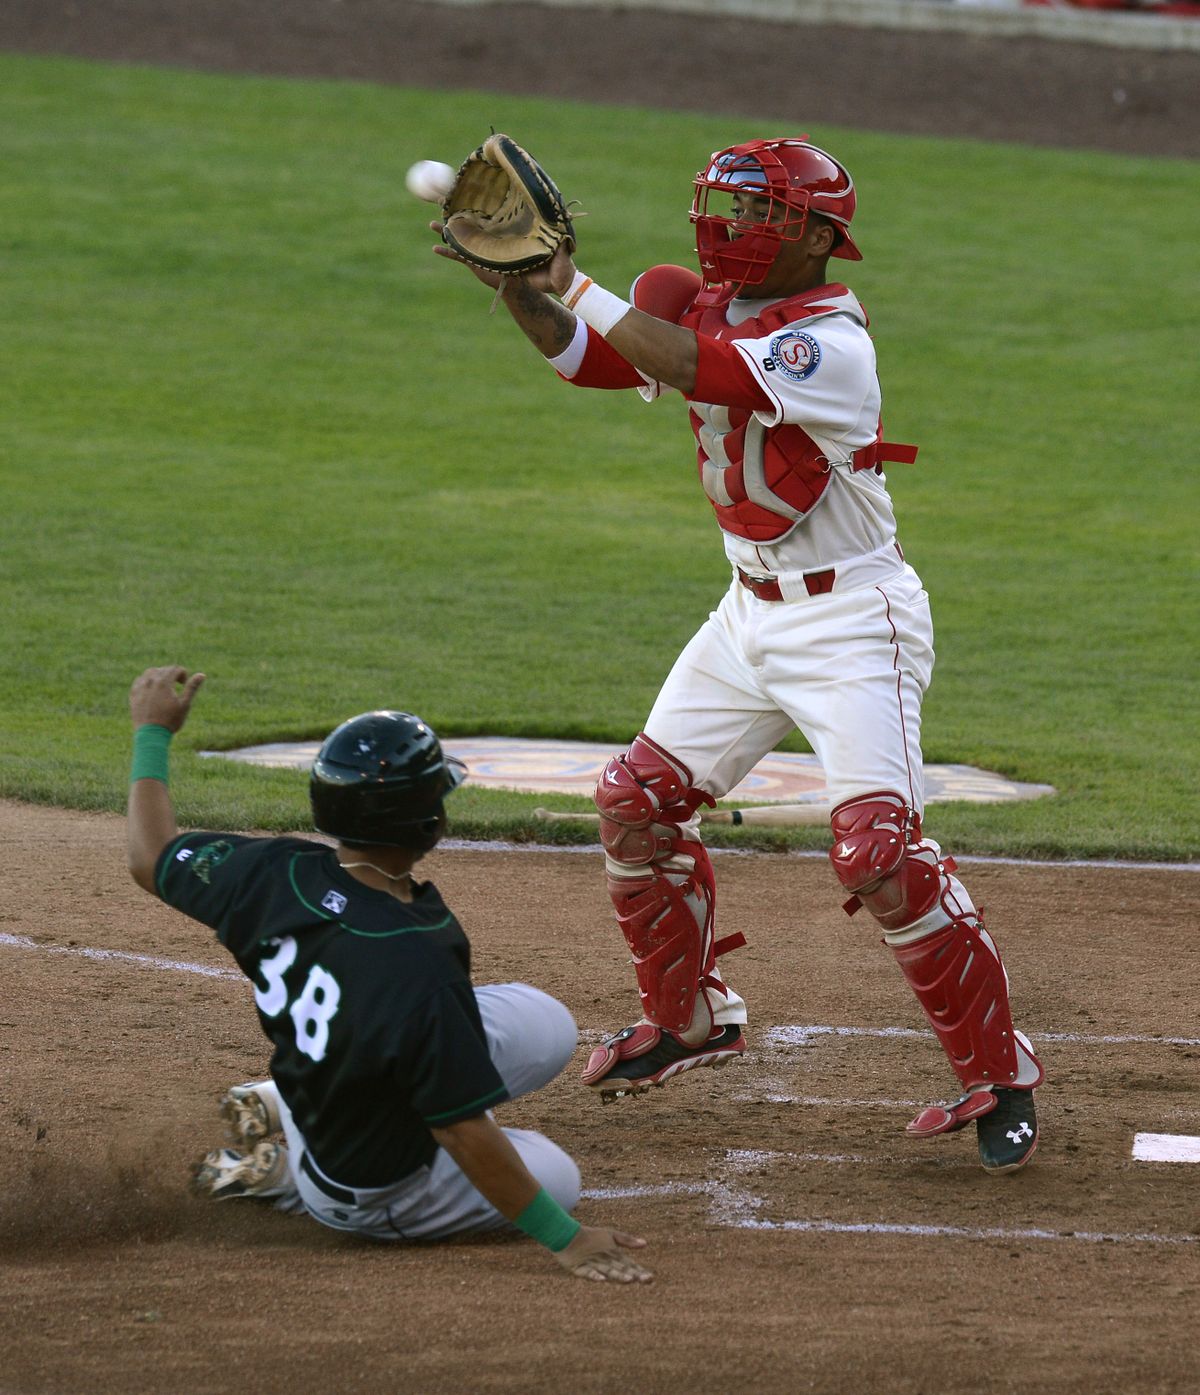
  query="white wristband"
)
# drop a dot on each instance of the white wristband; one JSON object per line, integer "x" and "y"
{"x": 570, "y": 360}
{"x": 593, "y": 304}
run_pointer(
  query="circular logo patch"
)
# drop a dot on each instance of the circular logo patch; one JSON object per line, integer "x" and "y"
{"x": 796, "y": 354}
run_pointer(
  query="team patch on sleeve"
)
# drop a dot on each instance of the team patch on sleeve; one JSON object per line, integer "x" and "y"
{"x": 795, "y": 354}
{"x": 204, "y": 861}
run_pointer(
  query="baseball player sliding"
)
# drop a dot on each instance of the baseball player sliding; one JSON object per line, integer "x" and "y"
{"x": 387, "y": 1063}
{"x": 824, "y": 627}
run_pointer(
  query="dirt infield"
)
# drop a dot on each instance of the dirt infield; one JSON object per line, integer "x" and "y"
{"x": 801, "y": 1242}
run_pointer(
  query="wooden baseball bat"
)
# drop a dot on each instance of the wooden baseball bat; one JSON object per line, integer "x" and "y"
{"x": 766, "y": 815}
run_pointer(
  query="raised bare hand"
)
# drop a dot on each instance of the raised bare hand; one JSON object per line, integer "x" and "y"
{"x": 163, "y": 696}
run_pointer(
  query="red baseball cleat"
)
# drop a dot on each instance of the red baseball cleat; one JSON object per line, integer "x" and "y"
{"x": 644, "y": 1055}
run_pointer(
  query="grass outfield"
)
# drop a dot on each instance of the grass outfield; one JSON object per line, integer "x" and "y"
{"x": 252, "y": 425}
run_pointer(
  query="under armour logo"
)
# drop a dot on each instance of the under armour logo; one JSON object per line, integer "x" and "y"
{"x": 334, "y": 901}
{"x": 1021, "y": 1131}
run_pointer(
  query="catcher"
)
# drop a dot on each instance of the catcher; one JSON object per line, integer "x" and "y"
{"x": 387, "y": 1062}
{"x": 824, "y": 627}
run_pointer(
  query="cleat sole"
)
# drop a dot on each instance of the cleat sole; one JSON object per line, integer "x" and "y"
{"x": 1012, "y": 1167}
{"x": 610, "y": 1093}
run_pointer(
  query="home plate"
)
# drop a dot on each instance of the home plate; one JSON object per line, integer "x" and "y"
{"x": 547, "y": 766}
{"x": 1166, "y": 1147}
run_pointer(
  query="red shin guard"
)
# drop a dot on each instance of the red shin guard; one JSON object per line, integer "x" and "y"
{"x": 665, "y": 902}
{"x": 951, "y": 962}
{"x": 961, "y": 985}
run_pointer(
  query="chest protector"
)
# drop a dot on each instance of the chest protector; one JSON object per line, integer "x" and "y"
{"x": 761, "y": 480}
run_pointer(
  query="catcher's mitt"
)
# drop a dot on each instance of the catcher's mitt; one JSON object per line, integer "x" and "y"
{"x": 505, "y": 212}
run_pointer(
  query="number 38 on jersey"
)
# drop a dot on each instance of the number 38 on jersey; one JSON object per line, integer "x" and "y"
{"x": 313, "y": 1008}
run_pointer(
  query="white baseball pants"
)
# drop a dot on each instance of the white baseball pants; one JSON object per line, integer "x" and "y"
{"x": 848, "y": 669}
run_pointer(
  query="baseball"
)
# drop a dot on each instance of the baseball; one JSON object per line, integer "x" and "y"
{"x": 429, "y": 180}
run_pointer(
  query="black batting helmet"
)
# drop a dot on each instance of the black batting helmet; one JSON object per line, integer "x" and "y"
{"x": 380, "y": 779}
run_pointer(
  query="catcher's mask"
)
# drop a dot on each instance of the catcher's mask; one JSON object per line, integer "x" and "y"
{"x": 795, "y": 177}
{"x": 380, "y": 779}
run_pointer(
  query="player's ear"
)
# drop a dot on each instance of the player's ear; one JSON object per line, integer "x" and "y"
{"x": 820, "y": 236}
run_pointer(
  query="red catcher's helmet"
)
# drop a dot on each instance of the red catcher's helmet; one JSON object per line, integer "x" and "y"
{"x": 789, "y": 172}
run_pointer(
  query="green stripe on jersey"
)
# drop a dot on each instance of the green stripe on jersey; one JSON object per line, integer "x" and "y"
{"x": 492, "y": 1097}
{"x": 366, "y": 934}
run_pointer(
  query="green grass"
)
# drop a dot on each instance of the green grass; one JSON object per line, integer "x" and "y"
{"x": 252, "y": 425}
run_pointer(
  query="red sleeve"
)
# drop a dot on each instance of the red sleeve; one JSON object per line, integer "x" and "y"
{"x": 603, "y": 367}
{"x": 723, "y": 378}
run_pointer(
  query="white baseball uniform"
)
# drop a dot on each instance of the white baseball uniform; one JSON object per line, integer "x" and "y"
{"x": 825, "y": 628}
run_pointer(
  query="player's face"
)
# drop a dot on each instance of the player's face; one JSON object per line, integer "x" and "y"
{"x": 752, "y": 210}
{"x": 789, "y": 271}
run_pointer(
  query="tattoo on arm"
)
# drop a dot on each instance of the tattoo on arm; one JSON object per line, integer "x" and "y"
{"x": 549, "y": 326}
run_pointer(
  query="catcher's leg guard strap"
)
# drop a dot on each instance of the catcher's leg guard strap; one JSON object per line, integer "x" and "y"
{"x": 949, "y": 1118}
{"x": 667, "y": 921}
{"x": 660, "y": 880}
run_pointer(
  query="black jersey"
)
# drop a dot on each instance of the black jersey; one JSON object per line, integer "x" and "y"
{"x": 367, "y": 1000}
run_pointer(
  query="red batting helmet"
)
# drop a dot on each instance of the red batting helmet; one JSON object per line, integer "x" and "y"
{"x": 789, "y": 172}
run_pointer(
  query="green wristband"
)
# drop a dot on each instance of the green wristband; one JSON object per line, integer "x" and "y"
{"x": 545, "y": 1221}
{"x": 151, "y": 745}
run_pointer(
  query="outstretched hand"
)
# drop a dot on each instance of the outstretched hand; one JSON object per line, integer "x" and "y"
{"x": 596, "y": 1253}
{"x": 163, "y": 696}
{"x": 553, "y": 278}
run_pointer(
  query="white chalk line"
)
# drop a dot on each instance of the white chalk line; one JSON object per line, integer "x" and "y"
{"x": 857, "y": 1160}
{"x": 784, "y": 1035}
{"x": 734, "y": 1208}
{"x": 149, "y": 961}
{"x": 597, "y": 850}
{"x": 936, "y": 1232}
{"x": 801, "y": 1035}
{"x": 769, "y": 1091}
{"x": 782, "y": 1045}
{"x": 822, "y": 1102}
{"x": 779, "y": 1038}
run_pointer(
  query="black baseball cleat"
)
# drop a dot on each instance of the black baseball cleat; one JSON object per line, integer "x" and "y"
{"x": 1008, "y": 1134}
{"x": 644, "y": 1055}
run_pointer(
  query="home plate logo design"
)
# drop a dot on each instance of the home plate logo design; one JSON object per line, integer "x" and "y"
{"x": 541, "y": 766}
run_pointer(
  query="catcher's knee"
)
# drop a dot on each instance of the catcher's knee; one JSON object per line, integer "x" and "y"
{"x": 643, "y": 797}
{"x": 879, "y": 856}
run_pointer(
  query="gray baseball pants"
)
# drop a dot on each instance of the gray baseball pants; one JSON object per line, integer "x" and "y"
{"x": 531, "y": 1038}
